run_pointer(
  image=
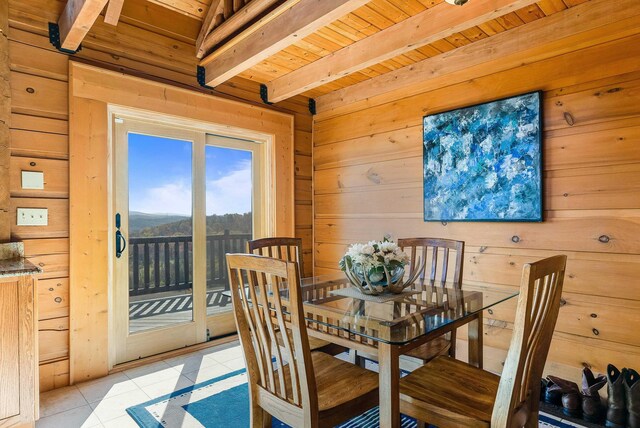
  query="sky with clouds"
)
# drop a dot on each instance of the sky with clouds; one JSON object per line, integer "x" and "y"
{"x": 160, "y": 177}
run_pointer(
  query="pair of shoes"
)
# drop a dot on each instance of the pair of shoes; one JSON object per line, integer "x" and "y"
{"x": 624, "y": 398}
{"x": 574, "y": 402}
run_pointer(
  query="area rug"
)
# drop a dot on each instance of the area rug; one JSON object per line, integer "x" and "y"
{"x": 224, "y": 402}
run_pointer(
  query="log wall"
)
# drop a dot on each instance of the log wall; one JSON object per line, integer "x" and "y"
{"x": 368, "y": 182}
{"x": 39, "y": 137}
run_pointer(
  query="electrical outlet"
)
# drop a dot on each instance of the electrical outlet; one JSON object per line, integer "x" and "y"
{"x": 33, "y": 180}
{"x": 33, "y": 216}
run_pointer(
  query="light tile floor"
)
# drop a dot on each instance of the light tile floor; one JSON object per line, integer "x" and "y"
{"x": 102, "y": 403}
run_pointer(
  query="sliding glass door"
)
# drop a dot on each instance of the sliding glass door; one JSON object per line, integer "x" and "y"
{"x": 182, "y": 200}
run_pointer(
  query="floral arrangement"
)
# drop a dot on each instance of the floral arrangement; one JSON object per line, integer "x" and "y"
{"x": 375, "y": 264}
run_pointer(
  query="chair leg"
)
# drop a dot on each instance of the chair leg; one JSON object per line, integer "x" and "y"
{"x": 420, "y": 424}
{"x": 534, "y": 409}
{"x": 266, "y": 420}
{"x": 356, "y": 359}
{"x": 260, "y": 419}
{"x": 452, "y": 349}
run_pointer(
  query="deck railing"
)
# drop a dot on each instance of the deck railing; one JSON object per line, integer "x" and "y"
{"x": 165, "y": 263}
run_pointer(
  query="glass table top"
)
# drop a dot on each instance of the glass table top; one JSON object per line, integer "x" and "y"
{"x": 401, "y": 319}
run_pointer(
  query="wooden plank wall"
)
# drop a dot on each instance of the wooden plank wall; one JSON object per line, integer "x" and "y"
{"x": 39, "y": 131}
{"x": 368, "y": 182}
{"x": 5, "y": 120}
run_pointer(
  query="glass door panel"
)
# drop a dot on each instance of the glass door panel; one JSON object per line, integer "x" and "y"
{"x": 160, "y": 232}
{"x": 231, "y": 168}
{"x": 158, "y": 283}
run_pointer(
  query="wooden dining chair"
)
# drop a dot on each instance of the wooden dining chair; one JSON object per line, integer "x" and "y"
{"x": 433, "y": 256}
{"x": 289, "y": 249}
{"x": 436, "y": 254}
{"x": 449, "y": 393}
{"x": 299, "y": 387}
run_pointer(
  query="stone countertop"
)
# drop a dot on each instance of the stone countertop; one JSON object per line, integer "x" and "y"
{"x": 17, "y": 266}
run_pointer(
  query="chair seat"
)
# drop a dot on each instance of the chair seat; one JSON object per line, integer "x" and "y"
{"x": 343, "y": 388}
{"x": 449, "y": 393}
{"x": 431, "y": 349}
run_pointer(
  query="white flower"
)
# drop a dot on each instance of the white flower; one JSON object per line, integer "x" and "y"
{"x": 367, "y": 249}
{"x": 375, "y": 254}
{"x": 355, "y": 250}
{"x": 387, "y": 247}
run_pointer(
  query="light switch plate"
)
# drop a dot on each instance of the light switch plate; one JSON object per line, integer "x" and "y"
{"x": 32, "y": 180}
{"x": 33, "y": 216}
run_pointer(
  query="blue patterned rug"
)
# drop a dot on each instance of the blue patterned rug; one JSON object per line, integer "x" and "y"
{"x": 224, "y": 402}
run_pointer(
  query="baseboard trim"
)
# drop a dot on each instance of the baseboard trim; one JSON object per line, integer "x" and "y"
{"x": 175, "y": 353}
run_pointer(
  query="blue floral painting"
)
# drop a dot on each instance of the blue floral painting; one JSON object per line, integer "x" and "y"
{"x": 483, "y": 163}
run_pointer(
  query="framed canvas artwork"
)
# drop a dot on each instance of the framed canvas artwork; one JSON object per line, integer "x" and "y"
{"x": 484, "y": 163}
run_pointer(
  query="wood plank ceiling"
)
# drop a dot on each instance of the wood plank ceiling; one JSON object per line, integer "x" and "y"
{"x": 202, "y": 18}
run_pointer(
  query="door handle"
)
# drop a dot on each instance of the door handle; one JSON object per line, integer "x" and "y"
{"x": 121, "y": 243}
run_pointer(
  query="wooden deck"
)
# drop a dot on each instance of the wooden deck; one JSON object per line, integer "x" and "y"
{"x": 157, "y": 312}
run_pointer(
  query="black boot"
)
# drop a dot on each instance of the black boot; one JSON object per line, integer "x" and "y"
{"x": 571, "y": 403}
{"x": 616, "y": 405}
{"x": 632, "y": 391}
{"x": 549, "y": 395}
{"x": 592, "y": 409}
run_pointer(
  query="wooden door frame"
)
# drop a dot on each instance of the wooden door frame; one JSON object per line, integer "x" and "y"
{"x": 92, "y": 91}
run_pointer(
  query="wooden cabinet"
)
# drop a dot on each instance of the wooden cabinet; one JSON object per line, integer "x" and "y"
{"x": 18, "y": 352}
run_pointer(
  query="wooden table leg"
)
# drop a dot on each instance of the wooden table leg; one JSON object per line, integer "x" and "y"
{"x": 475, "y": 341}
{"x": 389, "y": 366}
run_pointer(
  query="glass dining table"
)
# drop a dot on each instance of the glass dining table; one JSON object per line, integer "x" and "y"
{"x": 390, "y": 325}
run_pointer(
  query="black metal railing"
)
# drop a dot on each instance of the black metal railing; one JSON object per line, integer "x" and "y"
{"x": 165, "y": 263}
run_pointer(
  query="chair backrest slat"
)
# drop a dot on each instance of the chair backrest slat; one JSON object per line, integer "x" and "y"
{"x": 536, "y": 315}
{"x": 289, "y": 249}
{"x": 267, "y": 303}
{"x": 434, "y": 266}
{"x": 445, "y": 265}
{"x": 419, "y": 249}
{"x": 260, "y": 325}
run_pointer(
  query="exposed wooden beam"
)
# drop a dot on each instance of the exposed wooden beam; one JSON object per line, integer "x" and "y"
{"x": 297, "y": 22}
{"x": 114, "y": 9}
{"x": 208, "y": 23}
{"x": 76, "y": 20}
{"x": 436, "y": 23}
{"x": 543, "y": 38}
{"x": 249, "y": 12}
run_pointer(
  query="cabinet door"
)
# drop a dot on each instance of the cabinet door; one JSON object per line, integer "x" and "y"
{"x": 9, "y": 346}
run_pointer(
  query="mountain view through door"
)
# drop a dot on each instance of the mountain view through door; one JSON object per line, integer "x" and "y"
{"x": 161, "y": 250}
